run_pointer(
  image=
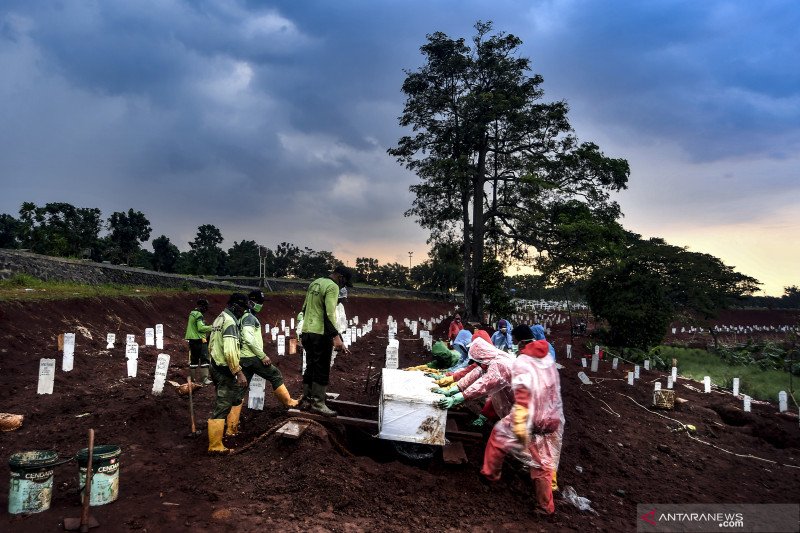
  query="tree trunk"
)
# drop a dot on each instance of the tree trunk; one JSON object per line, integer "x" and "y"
{"x": 466, "y": 253}
{"x": 478, "y": 231}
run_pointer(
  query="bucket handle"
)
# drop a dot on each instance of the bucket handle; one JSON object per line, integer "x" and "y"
{"x": 64, "y": 461}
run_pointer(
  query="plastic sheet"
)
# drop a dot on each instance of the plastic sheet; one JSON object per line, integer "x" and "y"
{"x": 582, "y": 504}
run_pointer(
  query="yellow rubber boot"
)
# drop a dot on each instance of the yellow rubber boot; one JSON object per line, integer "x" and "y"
{"x": 554, "y": 484}
{"x": 233, "y": 421}
{"x": 282, "y": 394}
{"x": 216, "y": 426}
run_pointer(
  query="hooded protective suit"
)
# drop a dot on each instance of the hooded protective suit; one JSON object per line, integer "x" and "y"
{"x": 493, "y": 382}
{"x": 538, "y": 335}
{"x": 538, "y": 414}
{"x": 461, "y": 344}
{"x": 500, "y": 340}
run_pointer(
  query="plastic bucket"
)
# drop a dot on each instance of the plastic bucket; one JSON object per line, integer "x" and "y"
{"x": 31, "y": 481}
{"x": 105, "y": 473}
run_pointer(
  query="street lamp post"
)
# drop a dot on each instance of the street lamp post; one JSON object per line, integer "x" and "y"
{"x": 409, "y": 262}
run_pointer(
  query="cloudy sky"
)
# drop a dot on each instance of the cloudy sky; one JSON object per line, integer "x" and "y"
{"x": 271, "y": 120}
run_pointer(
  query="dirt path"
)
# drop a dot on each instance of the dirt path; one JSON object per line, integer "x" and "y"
{"x": 338, "y": 480}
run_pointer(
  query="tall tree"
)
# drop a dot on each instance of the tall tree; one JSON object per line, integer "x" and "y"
{"x": 209, "y": 258}
{"x": 285, "y": 261}
{"x": 493, "y": 159}
{"x": 243, "y": 258}
{"x": 60, "y": 229}
{"x": 366, "y": 267}
{"x": 165, "y": 254}
{"x": 127, "y": 231}
{"x": 9, "y": 231}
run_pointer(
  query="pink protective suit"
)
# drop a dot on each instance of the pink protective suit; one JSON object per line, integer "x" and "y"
{"x": 537, "y": 388}
{"x": 494, "y": 382}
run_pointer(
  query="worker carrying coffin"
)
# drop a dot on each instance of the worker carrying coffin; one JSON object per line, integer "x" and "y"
{"x": 533, "y": 431}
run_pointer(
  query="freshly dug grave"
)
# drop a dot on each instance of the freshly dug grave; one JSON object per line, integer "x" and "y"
{"x": 345, "y": 480}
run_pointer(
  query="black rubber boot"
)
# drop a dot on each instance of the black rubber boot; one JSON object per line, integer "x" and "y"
{"x": 318, "y": 406}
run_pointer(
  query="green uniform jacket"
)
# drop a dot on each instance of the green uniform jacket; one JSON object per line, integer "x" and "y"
{"x": 443, "y": 357}
{"x": 196, "y": 328}
{"x": 252, "y": 341}
{"x": 224, "y": 344}
{"x": 320, "y": 304}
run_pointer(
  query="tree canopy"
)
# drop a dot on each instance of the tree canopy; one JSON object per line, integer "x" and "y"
{"x": 496, "y": 164}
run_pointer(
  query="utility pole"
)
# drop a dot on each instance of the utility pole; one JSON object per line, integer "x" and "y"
{"x": 409, "y": 262}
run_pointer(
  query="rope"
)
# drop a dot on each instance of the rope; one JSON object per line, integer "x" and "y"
{"x": 683, "y": 426}
{"x": 336, "y": 444}
{"x": 609, "y": 410}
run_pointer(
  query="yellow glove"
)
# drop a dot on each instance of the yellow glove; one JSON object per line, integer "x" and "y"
{"x": 447, "y": 380}
{"x": 520, "y": 427}
{"x": 418, "y": 367}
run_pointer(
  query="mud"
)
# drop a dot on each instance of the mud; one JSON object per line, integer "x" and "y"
{"x": 343, "y": 479}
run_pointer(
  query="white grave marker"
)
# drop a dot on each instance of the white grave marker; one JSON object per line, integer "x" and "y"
{"x": 583, "y": 362}
{"x": 615, "y": 363}
{"x": 110, "y": 339}
{"x": 286, "y": 332}
{"x": 149, "y": 337}
{"x": 392, "y": 358}
{"x": 68, "y": 361}
{"x": 746, "y": 402}
{"x": 584, "y": 378}
{"x": 597, "y": 349}
{"x": 707, "y": 384}
{"x": 736, "y": 386}
{"x": 283, "y": 324}
{"x": 130, "y": 338}
{"x": 630, "y": 378}
{"x": 291, "y": 322}
{"x": 636, "y": 371}
{"x": 47, "y": 374}
{"x": 595, "y": 362}
{"x": 266, "y": 329}
{"x": 281, "y": 345}
{"x": 569, "y": 351}
{"x": 669, "y": 382}
{"x": 162, "y": 365}
{"x": 647, "y": 364}
{"x": 255, "y": 398}
{"x": 304, "y": 361}
{"x": 132, "y": 356}
{"x": 159, "y": 336}
{"x": 658, "y": 385}
{"x": 782, "y": 401}
{"x": 674, "y": 374}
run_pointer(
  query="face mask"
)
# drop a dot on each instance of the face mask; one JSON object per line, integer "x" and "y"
{"x": 257, "y": 308}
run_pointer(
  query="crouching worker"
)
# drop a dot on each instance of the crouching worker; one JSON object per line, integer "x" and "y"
{"x": 533, "y": 430}
{"x": 443, "y": 358}
{"x": 196, "y": 331}
{"x": 226, "y": 371}
{"x": 491, "y": 378}
{"x": 255, "y": 362}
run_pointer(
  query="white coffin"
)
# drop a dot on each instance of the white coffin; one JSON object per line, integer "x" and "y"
{"x": 408, "y": 409}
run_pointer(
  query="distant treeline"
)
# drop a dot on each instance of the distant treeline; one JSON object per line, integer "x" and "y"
{"x": 63, "y": 230}
{"x": 789, "y": 300}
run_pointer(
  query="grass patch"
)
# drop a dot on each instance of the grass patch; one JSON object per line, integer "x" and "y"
{"x": 695, "y": 364}
{"x": 26, "y": 287}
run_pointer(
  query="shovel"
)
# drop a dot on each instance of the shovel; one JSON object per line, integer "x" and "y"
{"x": 85, "y": 522}
{"x": 194, "y": 432}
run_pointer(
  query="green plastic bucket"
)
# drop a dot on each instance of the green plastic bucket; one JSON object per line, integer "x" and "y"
{"x": 31, "y": 481}
{"x": 105, "y": 473}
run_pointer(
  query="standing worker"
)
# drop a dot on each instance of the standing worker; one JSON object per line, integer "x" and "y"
{"x": 320, "y": 336}
{"x": 455, "y": 327}
{"x": 196, "y": 331}
{"x": 226, "y": 371}
{"x": 254, "y": 361}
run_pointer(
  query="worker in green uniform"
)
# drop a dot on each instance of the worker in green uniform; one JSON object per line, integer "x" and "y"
{"x": 255, "y": 362}
{"x": 320, "y": 336}
{"x": 196, "y": 331}
{"x": 226, "y": 370}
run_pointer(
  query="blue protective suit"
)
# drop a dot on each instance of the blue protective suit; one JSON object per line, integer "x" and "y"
{"x": 538, "y": 335}
{"x": 501, "y": 341}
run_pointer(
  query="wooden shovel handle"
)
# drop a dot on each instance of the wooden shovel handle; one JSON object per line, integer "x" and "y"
{"x": 87, "y": 488}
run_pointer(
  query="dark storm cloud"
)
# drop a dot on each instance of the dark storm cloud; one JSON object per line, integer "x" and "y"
{"x": 272, "y": 119}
